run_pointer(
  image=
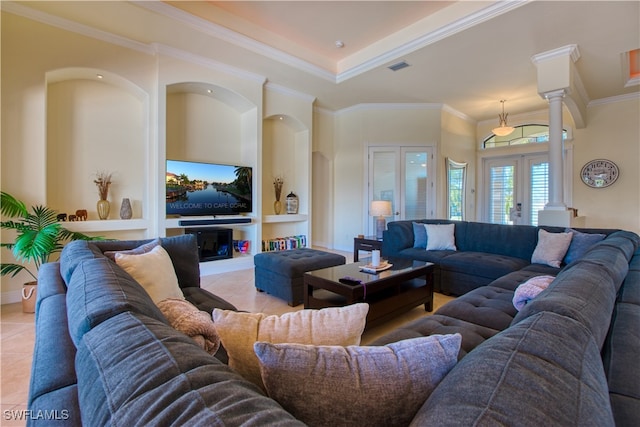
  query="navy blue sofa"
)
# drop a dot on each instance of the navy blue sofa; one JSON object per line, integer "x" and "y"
{"x": 568, "y": 358}
{"x": 105, "y": 355}
{"x": 485, "y": 252}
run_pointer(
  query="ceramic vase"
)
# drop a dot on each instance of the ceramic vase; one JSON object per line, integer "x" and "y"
{"x": 277, "y": 207}
{"x": 103, "y": 209}
{"x": 125, "y": 209}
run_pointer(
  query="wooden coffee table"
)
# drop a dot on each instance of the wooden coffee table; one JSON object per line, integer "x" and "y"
{"x": 391, "y": 292}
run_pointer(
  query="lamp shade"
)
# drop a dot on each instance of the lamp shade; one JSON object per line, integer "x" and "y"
{"x": 380, "y": 208}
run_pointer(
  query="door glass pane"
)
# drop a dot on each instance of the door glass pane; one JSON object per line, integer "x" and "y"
{"x": 415, "y": 185}
{"x": 456, "y": 172}
{"x": 384, "y": 180}
{"x": 501, "y": 186}
{"x": 539, "y": 189}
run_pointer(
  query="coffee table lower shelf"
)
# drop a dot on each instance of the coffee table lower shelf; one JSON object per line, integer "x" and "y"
{"x": 388, "y": 293}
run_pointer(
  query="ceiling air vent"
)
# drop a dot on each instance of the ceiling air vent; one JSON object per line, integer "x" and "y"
{"x": 398, "y": 66}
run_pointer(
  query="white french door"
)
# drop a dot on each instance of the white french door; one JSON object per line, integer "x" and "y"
{"x": 405, "y": 176}
{"x": 516, "y": 188}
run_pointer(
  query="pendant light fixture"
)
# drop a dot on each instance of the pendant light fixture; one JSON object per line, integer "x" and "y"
{"x": 503, "y": 129}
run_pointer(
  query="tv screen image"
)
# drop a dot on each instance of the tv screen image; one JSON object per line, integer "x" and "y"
{"x": 198, "y": 188}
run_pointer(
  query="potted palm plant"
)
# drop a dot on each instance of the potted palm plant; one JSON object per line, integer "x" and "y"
{"x": 39, "y": 234}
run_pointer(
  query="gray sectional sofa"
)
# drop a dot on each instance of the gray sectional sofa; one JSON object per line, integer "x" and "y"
{"x": 107, "y": 356}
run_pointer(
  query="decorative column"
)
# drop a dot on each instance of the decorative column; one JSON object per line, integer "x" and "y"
{"x": 556, "y": 151}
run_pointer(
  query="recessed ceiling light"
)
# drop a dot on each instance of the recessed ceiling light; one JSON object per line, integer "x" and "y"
{"x": 209, "y": 91}
{"x": 100, "y": 76}
{"x": 339, "y": 44}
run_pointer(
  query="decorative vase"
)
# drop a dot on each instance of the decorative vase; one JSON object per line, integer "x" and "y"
{"x": 29, "y": 294}
{"x": 125, "y": 209}
{"x": 103, "y": 209}
{"x": 277, "y": 207}
{"x": 292, "y": 203}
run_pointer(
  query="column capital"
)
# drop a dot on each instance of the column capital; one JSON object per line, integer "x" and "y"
{"x": 560, "y": 93}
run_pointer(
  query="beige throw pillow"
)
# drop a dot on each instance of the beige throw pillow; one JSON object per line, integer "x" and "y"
{"x": 154, "y": 271}
{"x": 341, "y": 326}
{"x": 551, "y": 248}
{"x": 357, "y": 386}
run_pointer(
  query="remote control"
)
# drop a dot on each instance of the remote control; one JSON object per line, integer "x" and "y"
{"x": 348, "y": 280}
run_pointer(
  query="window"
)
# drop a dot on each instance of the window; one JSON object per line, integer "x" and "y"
{"x": 456, "y": 179}
{"x": 525, "y": 134}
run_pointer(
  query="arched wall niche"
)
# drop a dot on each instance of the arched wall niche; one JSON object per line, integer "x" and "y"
{"x": 207, "y": 122}
{"x": 286, "y": 153}
{"x": 95, "y": 121}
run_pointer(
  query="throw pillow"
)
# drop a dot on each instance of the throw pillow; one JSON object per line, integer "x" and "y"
{"x": 419, "y": 235}
{"x": 530, "y": 289}
{"x": 440, "y": 237}
{"x": 356, "y": 386}
{"x": 551, "y": 248}
{"x": 580, "y": 243}
{"x": 186, "y": 318}
{"x": 154, "y": 271}
{"x": 142, "y": 249}
{"x": 328, "y": 326}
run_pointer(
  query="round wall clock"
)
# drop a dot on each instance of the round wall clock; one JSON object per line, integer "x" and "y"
{"x": 599, "y": 173}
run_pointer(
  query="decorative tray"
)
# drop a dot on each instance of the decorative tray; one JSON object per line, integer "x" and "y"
{"x": 373, "y": 269}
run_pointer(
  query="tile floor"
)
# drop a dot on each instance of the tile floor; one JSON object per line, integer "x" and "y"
{"x": 17, "y": 332}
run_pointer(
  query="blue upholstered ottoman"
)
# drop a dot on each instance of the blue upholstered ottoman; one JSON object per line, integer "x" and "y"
{"x": 281, "y": 273}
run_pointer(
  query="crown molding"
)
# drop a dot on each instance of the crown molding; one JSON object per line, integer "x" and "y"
{"x": 614, "y": 99}
{"x": 458, "y": 114}
{"x": 234, "y": 38}
{"x": 67, "y": 25}
{"x": 570, "y": 50}
{"x": 490, "y": 12}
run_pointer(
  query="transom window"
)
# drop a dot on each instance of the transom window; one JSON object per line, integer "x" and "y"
{"x": 524, "y": 134}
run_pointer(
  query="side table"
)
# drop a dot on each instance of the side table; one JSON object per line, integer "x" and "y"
{"x": 366, "y": 243}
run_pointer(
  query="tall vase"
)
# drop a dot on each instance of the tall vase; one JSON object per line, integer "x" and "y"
{"x": 277, "y": 207}
{"x": 125, "y": 209}
{"x": 103, "y": 209}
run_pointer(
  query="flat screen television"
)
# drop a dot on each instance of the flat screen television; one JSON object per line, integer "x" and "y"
{"x": 198, "y": 188}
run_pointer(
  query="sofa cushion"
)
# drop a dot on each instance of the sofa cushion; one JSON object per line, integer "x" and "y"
{"x": 98, "y": 290}
{"x": 545, "y": 370}
{"x": 154, "y": 271}
{"x": 472, "y": 334}
{"x": 511, "y": 281}
{"x": 499, "y": 239}
{"x": 74, "y": 253}
{"x": 580, "y": 243}
{"x": 551, "y": 248}
{"x": 582, "y": 291}
{"x": 481, "y": 264}
{"x": 329, "y": 326}
{"x": 619, "y": 355}
{"x": 139, "y": 250}
{"x": 53, "y": 377}
{"x": 135, "y": 370}
{"x": 486, "y": 306}
{"x": 419, "y": 235}
{"x": 356, "y": 386}
{"x": 440, "y": 237}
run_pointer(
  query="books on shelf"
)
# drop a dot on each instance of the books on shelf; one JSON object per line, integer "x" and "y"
{"x": 284, "y": 243}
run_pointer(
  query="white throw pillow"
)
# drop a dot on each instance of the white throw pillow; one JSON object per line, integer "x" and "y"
{"x": 154, "y": 271}
{"x": 441, "y": 237}
{"x": 238, "y": 332}
{"x": 551, "y": 248}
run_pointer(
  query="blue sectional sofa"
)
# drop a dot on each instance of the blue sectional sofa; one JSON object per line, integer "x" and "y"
{"x": 105, "y": 355}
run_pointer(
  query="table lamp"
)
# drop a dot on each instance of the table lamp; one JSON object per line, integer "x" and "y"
{"x": 380, "y": 209}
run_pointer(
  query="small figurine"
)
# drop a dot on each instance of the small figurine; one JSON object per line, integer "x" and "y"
{"x": 62, "y": 217}
{"x": 81, "y": 215}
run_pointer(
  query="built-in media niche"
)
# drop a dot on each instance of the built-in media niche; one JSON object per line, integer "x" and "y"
{"x": 213, "y": 243}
